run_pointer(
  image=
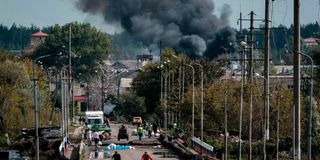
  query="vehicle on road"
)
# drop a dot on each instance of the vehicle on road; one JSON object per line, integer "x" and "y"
{"x": 136, "y": 120}
{"x": 123, "y": 133}
{"x": 94, "y": 120}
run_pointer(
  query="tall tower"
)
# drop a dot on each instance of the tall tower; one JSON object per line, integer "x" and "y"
{"x": 37, "y": 39}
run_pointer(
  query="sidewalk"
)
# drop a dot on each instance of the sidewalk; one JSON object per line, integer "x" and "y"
{"x": 72, "y": 150}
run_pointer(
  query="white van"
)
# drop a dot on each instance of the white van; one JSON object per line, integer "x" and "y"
{"x": 93, "y": 118}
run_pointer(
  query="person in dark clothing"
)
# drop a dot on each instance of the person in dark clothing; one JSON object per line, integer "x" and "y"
{"x": 155, "y": 127}
{"x": 80, "y": 120}
{"x": 116, "y": 156}
{"x": 146, "y": 156}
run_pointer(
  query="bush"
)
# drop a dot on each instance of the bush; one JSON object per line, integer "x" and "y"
{"x": 3, "y": 143}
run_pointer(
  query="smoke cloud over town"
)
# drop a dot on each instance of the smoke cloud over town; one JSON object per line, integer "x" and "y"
{"x": 188, "y": 26}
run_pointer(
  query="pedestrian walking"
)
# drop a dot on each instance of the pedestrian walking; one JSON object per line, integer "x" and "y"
{"x": 80, "y": 120}
{"x": 116, "y": 156}
{"x": 146, "y": 156}
{"x": 89, "y": 136}
{"x": 155, "y": 127}
{"x": 96, "y": 138}
{"x": 140, "y": 132}
{"x": 107, "y": 121}
{"x": 149, "y": 129}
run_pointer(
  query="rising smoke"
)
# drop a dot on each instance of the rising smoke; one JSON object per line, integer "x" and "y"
{"x": 188, "y": 26}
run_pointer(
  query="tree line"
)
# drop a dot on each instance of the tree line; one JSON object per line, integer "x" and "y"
{"x": 125, "y": 47}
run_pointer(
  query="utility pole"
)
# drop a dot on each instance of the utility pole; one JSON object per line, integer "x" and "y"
{"x": 202, "y": 92}
{"x": 192, "y": 98}
{"x": 241, "y": 103}
{"x": 62, "y": 103}
{"x": 225, "y": 110}
{"x": 266, "y": 78}
{"x": 310, "y": 109}
{"x": 278, "y": 117}
{"x": 241, "y": 96}
{"x": 165, "y": 101}
{"x": 70, "y": 93}
{"x": 179, "y": 95}
{"x": 168, "y": 98}
{"x": 102, "y": 91}
{"x": 250, "y": 82}
{"x": 36, "y": 113}
{"x": 161, "y": 92}
{"x": 296, "y": 80}
{"x": 118, "y": 83}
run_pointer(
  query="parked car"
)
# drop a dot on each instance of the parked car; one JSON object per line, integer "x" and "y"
{"x": 137, "y": 120}
{"x": 123, "y": 134}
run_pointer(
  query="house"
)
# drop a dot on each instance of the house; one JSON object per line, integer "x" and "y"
{"x": 311, "y": 41}
{"x": 125, "y": 85}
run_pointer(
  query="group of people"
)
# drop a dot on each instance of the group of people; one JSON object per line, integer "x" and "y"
{"x": 117, "y": 156}
{"x": 89, "y": 136}
{"x": 81, "y": 120}
{"x": 149, "y": 128}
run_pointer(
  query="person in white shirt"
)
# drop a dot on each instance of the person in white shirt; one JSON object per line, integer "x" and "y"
{"x": 89, "y": 136}
{"x": 95, "y": 137}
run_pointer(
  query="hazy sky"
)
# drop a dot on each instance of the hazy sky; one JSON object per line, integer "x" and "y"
{"x": 48, "y": 12}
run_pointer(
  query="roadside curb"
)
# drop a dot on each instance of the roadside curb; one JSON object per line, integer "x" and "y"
{"x": 145, "y": 142}
{"x": 183, "y": 151}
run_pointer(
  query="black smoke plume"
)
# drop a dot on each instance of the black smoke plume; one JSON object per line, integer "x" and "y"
{"x": 188, "y": 26}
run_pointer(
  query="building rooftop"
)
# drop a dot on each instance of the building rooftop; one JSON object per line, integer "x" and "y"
{"x": 311, "y": 40}
{"x": 39, "y": 34}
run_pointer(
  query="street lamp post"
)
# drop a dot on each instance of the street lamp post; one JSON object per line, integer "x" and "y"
{"x": 241, "y": 102}
{"x": 118, "y": 74}
{"x": 165, "y": 95}
{"x": 225, "y": 110}
{"x": 103, "y": 70}
{"x": 165, "y": 123}
{"x": 36, "y": 110}
{"x": 64, "y": 104}
{"x": 278, "y": 117}
{"x": 310, "y": 109}
{"x": 192, "y": 98}
{"x": 265, "y": 131}
{"x": 102, "y": 92}
{"x": 201, "y": 67}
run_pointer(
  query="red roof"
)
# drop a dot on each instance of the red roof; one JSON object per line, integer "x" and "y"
{"x": 39, "y": 34}
{"x": 310, "y": 40}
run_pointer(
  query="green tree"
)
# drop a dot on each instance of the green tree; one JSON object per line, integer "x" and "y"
{"x": 90, "y": 47}
{"x": 147, "y": 85}
{"x": 16, "y": 37}
{"x": 131, "y": 105}
{"x": 16, "y": 96}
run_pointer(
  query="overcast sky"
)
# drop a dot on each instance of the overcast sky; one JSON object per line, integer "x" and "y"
{"x": 48, "y": 12}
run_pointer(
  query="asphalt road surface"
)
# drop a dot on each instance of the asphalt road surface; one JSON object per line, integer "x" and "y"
{"x": 156, "y": 151}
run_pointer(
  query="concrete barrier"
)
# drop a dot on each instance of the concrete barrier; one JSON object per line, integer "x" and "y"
{"x": 179, "y": 149}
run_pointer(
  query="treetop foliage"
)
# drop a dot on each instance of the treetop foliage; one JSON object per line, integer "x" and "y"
{"x": 89, "y": 48}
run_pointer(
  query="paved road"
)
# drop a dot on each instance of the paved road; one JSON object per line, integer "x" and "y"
{"x": 135, "y": 154}
{"x": 157, "y": 152}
